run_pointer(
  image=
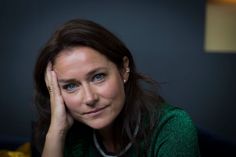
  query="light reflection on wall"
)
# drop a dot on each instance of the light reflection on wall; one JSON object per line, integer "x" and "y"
{"x": 220, "y": 28}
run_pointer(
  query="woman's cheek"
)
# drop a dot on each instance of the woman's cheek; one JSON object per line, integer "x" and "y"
{"x": 114, "y": 90}
{"x": 68, "y": 99}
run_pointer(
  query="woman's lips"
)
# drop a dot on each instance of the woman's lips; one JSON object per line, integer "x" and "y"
{"x": 96, "y": 111}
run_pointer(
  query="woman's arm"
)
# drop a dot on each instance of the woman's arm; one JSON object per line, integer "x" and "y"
{"x": 54, "y": 144}
{"x": 61, "y": 120}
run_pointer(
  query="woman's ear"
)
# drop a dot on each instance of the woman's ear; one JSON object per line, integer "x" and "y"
{"x": 125, "y": 71}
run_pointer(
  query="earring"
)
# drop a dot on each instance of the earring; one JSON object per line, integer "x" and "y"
{"x": 127, "y": 70}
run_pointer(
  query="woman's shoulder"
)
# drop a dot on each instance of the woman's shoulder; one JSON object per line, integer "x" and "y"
{"x": 174, "y": 133}
{"x": 175, "y": 119}
{"x": 174, "y": 113}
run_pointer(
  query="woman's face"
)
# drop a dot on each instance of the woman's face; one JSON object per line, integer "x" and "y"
{"x": 91, "y": 85}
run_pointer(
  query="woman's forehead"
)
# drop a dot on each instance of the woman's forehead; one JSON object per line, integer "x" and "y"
{"x": 80, "y": 54}
{"x": 83, "y": 58}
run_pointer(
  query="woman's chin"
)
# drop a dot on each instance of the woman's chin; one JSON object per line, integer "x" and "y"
{"x": 99, "y": 124}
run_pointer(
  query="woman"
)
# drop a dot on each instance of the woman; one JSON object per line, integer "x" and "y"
{"x": 92, "y": 102}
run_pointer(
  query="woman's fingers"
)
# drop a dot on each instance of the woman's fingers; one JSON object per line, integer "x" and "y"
{"x": 54, "y": 83}
{"x": 48, "y": 76}
{"x": 55, "y": 93}
{"x": 53, "y": 89}
{"x": 51, "y": 81}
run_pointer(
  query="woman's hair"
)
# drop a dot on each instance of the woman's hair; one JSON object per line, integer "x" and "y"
{"x": 140, "y": 100}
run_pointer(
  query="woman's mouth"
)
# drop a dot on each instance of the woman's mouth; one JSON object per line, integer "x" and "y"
{"x": 96, "y": 112}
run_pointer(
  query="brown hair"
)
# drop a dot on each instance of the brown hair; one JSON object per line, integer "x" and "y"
{"x": 80, "y": 32}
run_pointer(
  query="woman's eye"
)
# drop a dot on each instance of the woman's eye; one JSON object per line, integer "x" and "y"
{"x": 70, "y": 87}
{"x": 99, "y": 77}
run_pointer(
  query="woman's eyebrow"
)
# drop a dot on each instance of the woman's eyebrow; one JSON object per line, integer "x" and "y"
{"x": 94, "y": 71}
{"x": 64, "y": 81}
{"x": 88, "y": 75}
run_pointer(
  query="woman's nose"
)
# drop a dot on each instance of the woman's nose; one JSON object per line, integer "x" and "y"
{"x": 90, "y": 96}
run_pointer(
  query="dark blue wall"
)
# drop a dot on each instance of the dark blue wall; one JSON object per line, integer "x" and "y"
{"x": 165, "y": 36}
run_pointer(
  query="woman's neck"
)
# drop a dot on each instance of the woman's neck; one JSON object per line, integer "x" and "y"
{"x": 107, "y": 138}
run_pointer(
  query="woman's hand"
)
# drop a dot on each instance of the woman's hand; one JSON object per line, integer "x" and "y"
{"x": 61, "y": 120}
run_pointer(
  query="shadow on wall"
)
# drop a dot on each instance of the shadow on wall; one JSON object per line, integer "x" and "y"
{"x": 211, "y": 145}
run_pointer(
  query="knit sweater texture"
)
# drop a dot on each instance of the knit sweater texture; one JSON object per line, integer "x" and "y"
{"x": 173, "y": 136}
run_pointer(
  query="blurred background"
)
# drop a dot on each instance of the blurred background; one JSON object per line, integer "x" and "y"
{"x": 166, "y": 38}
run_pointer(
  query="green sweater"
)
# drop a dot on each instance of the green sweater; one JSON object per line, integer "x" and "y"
{"x": 173, "y": 136}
